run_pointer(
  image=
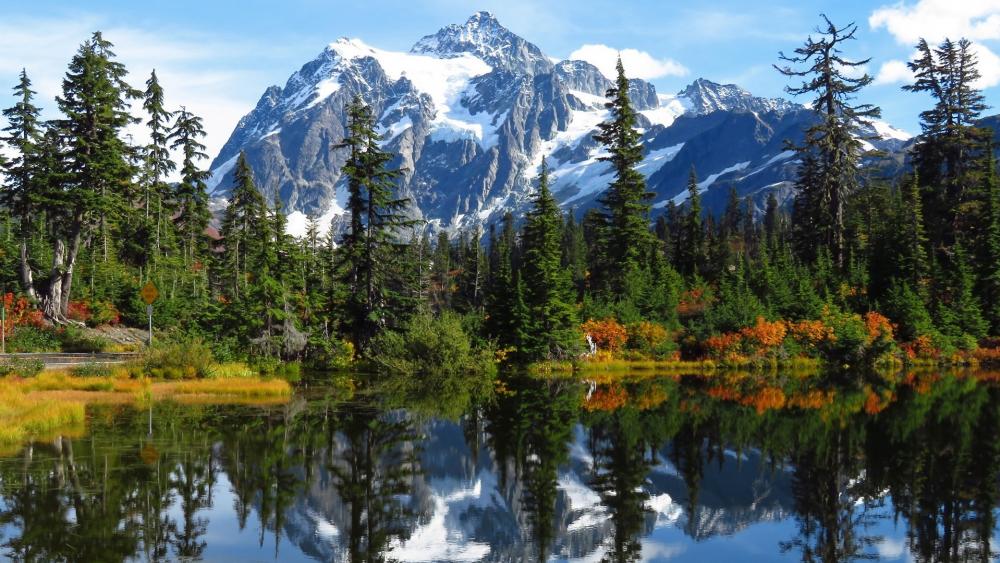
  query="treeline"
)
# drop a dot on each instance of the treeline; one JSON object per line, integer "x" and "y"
{"x": 89, "y": 217}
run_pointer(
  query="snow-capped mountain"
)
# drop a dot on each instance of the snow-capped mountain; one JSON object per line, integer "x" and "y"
{"x": 471, "y": 111}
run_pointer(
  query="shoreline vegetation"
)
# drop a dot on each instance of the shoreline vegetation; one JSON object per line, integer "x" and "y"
{"x": 868, "y": 268}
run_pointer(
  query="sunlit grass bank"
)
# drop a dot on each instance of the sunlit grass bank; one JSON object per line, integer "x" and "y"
{"x": 54, "y": 403}
{"x": 25, "y": 417}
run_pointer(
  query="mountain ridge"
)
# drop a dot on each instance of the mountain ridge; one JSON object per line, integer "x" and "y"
{"x": 471, "y": 110}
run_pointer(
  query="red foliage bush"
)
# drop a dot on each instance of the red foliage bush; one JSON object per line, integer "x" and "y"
{"x": 608, "y": 334}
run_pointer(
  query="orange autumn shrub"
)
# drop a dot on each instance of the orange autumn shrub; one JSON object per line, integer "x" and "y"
{"x": 78, "y": 311}
{"x": 18, "y": 312}
{"x": 766, "y": 333}
{"x": 765, "y": 399}
{"x": 608, "y": 334}
{"x": 810, "y": 332}
{"x": 987, "y": 355}
{"x": 720, "y": 346}
{"x": 646, "y": 335}
{"x": 606, "y": 398}
{"x": 878, "y": 326}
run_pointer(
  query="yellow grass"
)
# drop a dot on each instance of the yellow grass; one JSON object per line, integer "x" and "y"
{"x": 25, "y": 417}
{"x": 54, "y": 403}
{"x": 239, "y": 387}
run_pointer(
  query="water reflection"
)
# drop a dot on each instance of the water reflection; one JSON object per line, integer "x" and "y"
{"x": 685, "y": 469}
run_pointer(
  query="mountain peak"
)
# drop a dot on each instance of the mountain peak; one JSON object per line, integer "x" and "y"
{"x": 706, "y": 96}
{"x": 483, "y": 36}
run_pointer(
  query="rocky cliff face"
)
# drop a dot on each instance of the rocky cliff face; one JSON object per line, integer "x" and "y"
{"x": 471, "y": 111}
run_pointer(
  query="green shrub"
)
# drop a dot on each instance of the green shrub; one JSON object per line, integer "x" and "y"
{"x": 74, "y": 339}
{"x": 93, "y": 369}
{"x": 21, "y": 367}
{"x": 33, "y": 339}
{"x": 431, "y": 346}
{"x": 186, "y": 358}
{"x": 274, "y": 367}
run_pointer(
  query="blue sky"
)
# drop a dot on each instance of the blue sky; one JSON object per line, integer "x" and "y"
{"x": 217, "y": 57}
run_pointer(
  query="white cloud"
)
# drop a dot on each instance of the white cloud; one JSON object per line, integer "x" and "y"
{"x": 638, "y": 64}
{"x": 195, "y": 71}
{"x": 935, "y": 20}
{"x": 893, "y": 72}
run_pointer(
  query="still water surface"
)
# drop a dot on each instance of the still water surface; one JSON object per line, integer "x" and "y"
{"x": 660, "y": 469}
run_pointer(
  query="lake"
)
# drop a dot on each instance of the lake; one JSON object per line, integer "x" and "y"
{"x": 670, "y": 468}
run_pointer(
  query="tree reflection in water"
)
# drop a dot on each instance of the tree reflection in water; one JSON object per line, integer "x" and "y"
{"x": 843, "y": 462}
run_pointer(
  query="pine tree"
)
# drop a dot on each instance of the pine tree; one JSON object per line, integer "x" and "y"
{"x": 989, "y": 261}
{"x": 158, "y": 164}
{"x": 504, "y": 322}
{"x": 574, "y": 253}
{"x": 548, "y": 296}
{"x": 95, "y": 106}
{"x": 377, "y": 219}
{"x": 950, "y": 142}
{"x": 441, "y": 275}
{"x": 190, "y": 195}
{"x": 626, "y": 201}
{"x": 23, "y": 193}
{"x": 965, "y": 305}
{"x": 832, "y": 145}
{"x": 913, "y": 251}
{"x": 692, "y": 257}
{"x": 241, "y": 227}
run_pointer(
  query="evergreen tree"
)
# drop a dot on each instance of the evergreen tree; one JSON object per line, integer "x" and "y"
{"x": 241, "y": 228}
{"x": 548, "y": 297}
{"x": 574, "y": 253}
{"x": 190, "y": 196}
{"x": 626, "y": 201}
{"x": 832, "y": 147}
{"x": 505, "y": 321}
{"x": 950, "y": 143}
{"x": 23, "y": 194}
{"x": 989, "y": 271}
{"x": 441, "y": 276}
{"x": 158, "y": 164}
{"x": 370, "y": 247}
{"x": 913, "y": 250}
{"x": 692, "y": 254}
{"x": 95, "y": 104}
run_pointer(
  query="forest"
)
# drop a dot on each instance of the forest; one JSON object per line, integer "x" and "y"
{"x": 867, "y": 266}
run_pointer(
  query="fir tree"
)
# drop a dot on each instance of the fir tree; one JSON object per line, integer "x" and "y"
{"x": 242, "y": 227}
{"x": 157, "y": 162}
{"x": 692, "y": 253}
{"x": 626, "y": 201}
{"x": 190, "y": 195}
{"x": 989, "y": 261}
{"x": 913, "y": 251}
{"x": 548, "y": 296}
{"x": 95, "y": 106}
{"x": 832, "y": 147}
{"x": 370, "y": 247}
{"x": 950, "y": 142}
{"x": 23, "y": 193}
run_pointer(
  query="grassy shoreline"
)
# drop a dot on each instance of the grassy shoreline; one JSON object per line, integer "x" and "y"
{"x": 54, "y": 403}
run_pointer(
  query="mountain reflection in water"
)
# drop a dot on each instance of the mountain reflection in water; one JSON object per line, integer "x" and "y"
{"x": 656, "y": 469}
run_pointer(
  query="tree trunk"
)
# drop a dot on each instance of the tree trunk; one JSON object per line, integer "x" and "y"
{"x": 67, "y": 279}
{"x": 52, "y": 300}
{"x": 27, "y": 279}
